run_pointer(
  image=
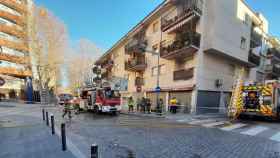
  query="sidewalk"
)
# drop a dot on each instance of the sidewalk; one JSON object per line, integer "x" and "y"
{"x": 24, "y": 136}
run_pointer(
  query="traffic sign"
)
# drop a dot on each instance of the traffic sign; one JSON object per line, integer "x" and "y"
{"x": 158, "y": 89}
{"x": 2, "y": 81}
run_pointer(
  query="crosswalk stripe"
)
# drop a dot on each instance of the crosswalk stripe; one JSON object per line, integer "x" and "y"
{"x": 185, "y": 120}
{"x": 214, "y": 124}
{"x": 276, "y": 137}
{"x": 232, "y": 127}
{"x": 255, "y": 130}
{"x": 196, "y": 122}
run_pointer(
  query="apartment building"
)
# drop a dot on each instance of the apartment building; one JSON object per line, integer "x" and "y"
{"x": 202, "y": 46}
{"x": 14, "y": 45}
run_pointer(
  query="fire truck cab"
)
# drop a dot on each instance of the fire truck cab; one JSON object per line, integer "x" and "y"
{"x": 102, "y": 100}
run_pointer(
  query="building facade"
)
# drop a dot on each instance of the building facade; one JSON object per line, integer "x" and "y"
{"x": 202, "y": 45}
{"x": 14, "y": 45}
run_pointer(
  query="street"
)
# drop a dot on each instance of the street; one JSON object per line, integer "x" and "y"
{"x": 142, "y": 137}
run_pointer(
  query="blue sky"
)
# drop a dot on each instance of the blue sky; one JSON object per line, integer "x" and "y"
{"x": 106, "y": 21}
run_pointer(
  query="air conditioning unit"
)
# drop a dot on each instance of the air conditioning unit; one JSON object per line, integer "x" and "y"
{"x": 218, "y": 83}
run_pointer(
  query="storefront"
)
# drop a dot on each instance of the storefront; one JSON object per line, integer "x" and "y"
{"x": 184, "y": 99}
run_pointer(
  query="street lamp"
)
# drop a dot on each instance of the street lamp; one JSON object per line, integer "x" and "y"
{"x": 143, "y": 49}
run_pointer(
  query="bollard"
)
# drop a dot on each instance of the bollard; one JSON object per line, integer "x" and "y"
{"x": 63, "y": 137}
{"x": 47, "y": 118}
{"x": 43, "y": 112}
{"x": 94, "y": 151}
{"x": 52, "y": 124}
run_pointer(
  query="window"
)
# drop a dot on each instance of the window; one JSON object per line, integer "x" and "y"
{"x": 247, "y": 19}
{"x": 156, "y": 27}
{"x": 243, "y": 43}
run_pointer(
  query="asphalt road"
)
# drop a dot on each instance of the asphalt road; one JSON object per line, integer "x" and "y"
{"x": 128, "y": 136}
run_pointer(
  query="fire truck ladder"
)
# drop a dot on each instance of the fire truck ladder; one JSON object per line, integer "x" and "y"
{"x": 236, "y": 102}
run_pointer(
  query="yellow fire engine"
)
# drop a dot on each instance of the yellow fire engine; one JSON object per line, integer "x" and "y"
{"x": 255, "y": 99}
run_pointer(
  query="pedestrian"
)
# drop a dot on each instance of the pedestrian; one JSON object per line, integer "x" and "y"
{"x": 138, "y": 105}
{"x": 148, "y": 105}
{"x": 67, "y": 110}
{"x": 143, "y": 105}
{"x": 130, "y": 104}
{"x": 173, "y": 105}
{"x": 161, "y": 105}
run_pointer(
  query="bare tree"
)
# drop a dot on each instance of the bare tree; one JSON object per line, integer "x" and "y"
{"x": 80, "y": 62}
{"x": 49, "y": 44}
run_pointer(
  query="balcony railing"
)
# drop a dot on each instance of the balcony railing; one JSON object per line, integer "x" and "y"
{"x": 136, "y": 64}
{"x": 185, "y": 46}
{"x": 254, "y": 59}
{"x": 14, "y": 45}
{"x": 108, "y": 64}
{"x": 13, "y": 18}
{"x": 13, "y": 58}
{"x": 273, "y": 69}
{"x": 184, "y": 74}
{"x": 256, "y": 39}
{"x": 12, "y": 30}
{"x": 273, "y": 52}
{"x": 136, "y": 46}
{"x": 15, "y": 72}
{"x": 191, "y": 8}
{"x": 13, "y": 4}
{"x": 105, "y": 75}
{"x": 139, "y": 81}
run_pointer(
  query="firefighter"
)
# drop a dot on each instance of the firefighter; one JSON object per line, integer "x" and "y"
{"x": 173, "y": 105}
{"x": 67, "y": 110}
{"x": 130, "y": 104}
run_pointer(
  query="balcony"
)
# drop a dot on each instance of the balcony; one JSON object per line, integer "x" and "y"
{"x": 136, "y": 46}
{"x": 13, "y": 4}
{"x": 273, "y": 52}
{"x": 13, "y": 18}
{"x": 254, "y": 59}
{"x": 12, "y": 30}
{"x": 14, "y": 45}
{"x": 273, "y": 70}
{"x": 256, "y": 39}
{"x": 136, "y": 64}
{"x": 108, "y": 64}
{"x": 15, "y": 72}
{"x": 139, "y": 81}
{"x": 184, "y": 74}
{"x": 192, "y": 10}
{"x": 13, "y": 58}
{"x": 105, "y": 75}
{"x": 185, "y": 46}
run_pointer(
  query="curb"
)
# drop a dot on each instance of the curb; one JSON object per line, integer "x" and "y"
{"x": 143, "y": 115}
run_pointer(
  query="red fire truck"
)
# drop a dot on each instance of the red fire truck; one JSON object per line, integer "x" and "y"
{"x": 102, "y": 100}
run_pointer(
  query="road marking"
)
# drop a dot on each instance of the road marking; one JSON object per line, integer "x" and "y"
{"x": 196, "y": 122}
{"x": 276, "y": 137}
{"x": 185, "y": 120}
{"x": 214, "y": 124}
{"x": 234, "y": 126}
{"x": 255, "y": 130}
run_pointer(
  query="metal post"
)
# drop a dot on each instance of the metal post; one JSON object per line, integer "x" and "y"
{"x": 52, "y": 124}
{"x": 47, "y": 118}
{"x": 94, "y": 151}
{"x": 43, "y": 112}
{"x": 63, "y": 137}
{"x": 158, "y": 73}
